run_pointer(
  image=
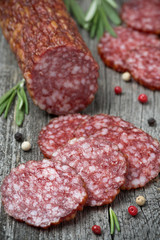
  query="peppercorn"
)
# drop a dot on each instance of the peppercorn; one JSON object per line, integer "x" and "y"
{"x": 126, "y": 76}
{"x": 96, "y": 229}
{"x": 151, "y": 121}
{"x": 133, "y": 210}
{"x": 118, "y": 90}
{"x": 19, "y": 137}
{"x": 143, "y": 98}
{"x": 140, "y": 200}
{"x": 26, "y": 146}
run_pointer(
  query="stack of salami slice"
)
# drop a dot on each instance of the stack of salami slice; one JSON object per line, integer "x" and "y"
{"x": 90, "y": 159}
{"x": 136, "y": 48}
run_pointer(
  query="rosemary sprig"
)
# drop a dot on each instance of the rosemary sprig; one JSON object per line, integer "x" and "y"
{"x": 107, "y": 14}
{"x": 7, "y": 99}
{"x": 100, "y": 15}
{"x": 74, "y": 8}
{"x": 113, "y": 221}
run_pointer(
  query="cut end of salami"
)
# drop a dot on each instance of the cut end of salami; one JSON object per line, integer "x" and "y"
{"x": 67, "y": 80}
{"x": 58, "y": 132}
{"x": 143, "y": 15}
{"x": 100, "y": 164}
{"x": 42, "y": 193}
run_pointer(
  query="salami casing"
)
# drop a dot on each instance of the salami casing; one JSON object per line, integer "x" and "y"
{"x": 59, "y": 69}
{"x": 42, "y": 193}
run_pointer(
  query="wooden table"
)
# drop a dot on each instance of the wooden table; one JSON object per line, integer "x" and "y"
{"x": 146, "y": 225}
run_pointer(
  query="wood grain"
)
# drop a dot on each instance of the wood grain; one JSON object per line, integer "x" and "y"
{"x": 145, "y": 226}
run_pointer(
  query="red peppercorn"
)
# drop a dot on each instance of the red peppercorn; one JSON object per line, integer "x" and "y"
{"x": 143, "y": 98}
{"x": 133, "y": 210}
{"x": 96, "y": 229}
{"x": 118, "y": 90}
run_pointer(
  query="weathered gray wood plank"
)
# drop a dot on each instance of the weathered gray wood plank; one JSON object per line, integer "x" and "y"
{"x": 146, "y": 224}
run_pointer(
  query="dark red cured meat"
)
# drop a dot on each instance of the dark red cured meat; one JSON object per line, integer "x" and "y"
{"x": 141, "y": 150}
{"x": 59, "y": 69}
{"x": 143, "y": 15}
{"x": 144, "y": 66}
{"x": 114, "y": 51}
{"x": 58, "y": 132}
{"x": 42, "y": 193}
{"x": 97, "y": 122}
{"x": 100, "y": 164}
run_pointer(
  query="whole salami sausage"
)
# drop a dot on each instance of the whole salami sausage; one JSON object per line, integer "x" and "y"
{"x": 59, "y": 69}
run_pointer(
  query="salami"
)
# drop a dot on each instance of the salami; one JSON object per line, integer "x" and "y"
{"x": 144, "y": 65}
{"x": 42, "y": 193}
{"x": 97, "y": 122}
{"x": 114, "y": 51}
{"x": 141, "y": 150}
{"x": 143, "y": 15}
{"x": 59, "y": 69}
{"x": 100, "y": 164}
{"x": 58, "y": 132}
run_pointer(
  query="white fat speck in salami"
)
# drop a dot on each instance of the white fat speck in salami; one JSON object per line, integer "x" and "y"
{"x": 141, "y": 150}
{"x": 58, "y": 132}
{"x": 100, "y": 164}
{"x": 144, "y": 66}
{"x": 42, "y": 193}
{"x": 114, "y": 51}
{"x": 143, "y": 15}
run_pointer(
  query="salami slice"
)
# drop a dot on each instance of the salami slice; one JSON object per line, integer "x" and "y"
{"x": 144, "y": 65}
{"x": 143, "y": 15}
{"x": 59, "y": 69}
{"x": 42, "y": 193}
{"x": 101, "y": 165}
{"x": 97, "y": 122}
{"x": 58, "y": 132}
{"x": 141, "y": 150}
{"x": 114, "y": 51}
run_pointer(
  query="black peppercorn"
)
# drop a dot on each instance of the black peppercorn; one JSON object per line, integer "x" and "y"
{"x": 19, "y": 137}
{"x": 151, "y": 121}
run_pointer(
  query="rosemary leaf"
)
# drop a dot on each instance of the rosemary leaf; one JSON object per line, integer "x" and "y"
{"x": 3, "y": 106}
{"x": 20, "y": 99}
{"x": 19, "y": 113}
{"x": 111, "y": 13}
{"x": 10, "y": 100}
{"x": 116, "y": 220}
{"x": 106, "y": 23}
{"x": 92, "y": 10}
{"x": 67, "y": 4}
{"x": 100, "y": 29}
{"x": 8, "y": 94}
{"x": 86, "y": 26}
{"x": 111, "y": 221}
{"x": 112, "y": 3}
{"x": 23, "y": 94}
{"x": 94, "y": 25}
{"x": 77, "y": 12}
